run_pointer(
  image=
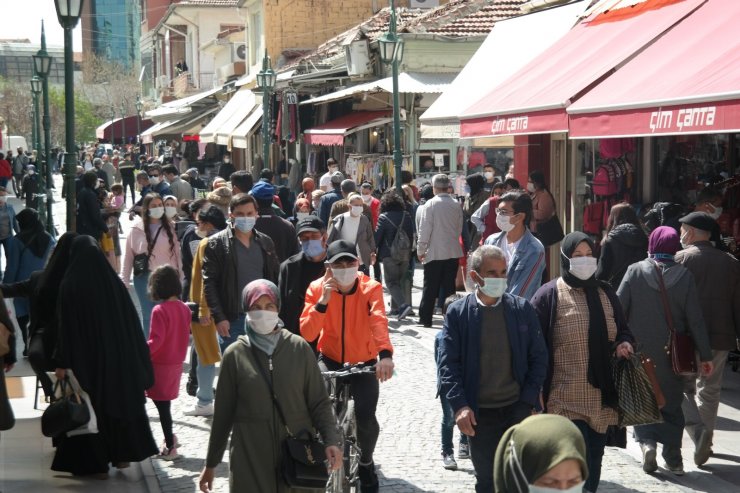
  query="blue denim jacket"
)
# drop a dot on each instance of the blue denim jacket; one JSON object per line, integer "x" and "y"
{"x": 524, "y": 273}
{"x": 459, "y": 351}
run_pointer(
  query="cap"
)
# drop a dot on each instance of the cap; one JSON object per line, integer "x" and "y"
{"x": 337, "y": 177}
{"x": 310, "y": 224}
{"x": 339, "y": 249}
{"x": 262, "y": 190}
{"x": 699, "y": 220}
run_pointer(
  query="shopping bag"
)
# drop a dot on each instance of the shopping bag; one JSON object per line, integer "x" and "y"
{"x": 637, "y": 401}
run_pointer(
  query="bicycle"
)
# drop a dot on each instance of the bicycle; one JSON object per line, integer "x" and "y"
{"x": 346, "y": 479}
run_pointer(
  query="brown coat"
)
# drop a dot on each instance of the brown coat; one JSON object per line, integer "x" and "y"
{"x": 717, "y": 276}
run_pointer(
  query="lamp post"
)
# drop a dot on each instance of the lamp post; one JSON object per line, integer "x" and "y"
{"x": 123, "y": 126}
{"x": 68, "y": 13}
{"x": 42, "y": 67}
{"x": 112, "y": 126}
{"x": 266, "y": 79}
{"x": 139, "y": 106}
{"x": 391, "y": 51}
{"x": 36, "y": 91}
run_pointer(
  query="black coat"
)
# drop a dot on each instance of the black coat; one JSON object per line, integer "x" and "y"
{"x": 281, "y": 231}
{"x": 89, "y": 219}
{"x": 292, "y": 292}
{"x": 386, "y": 230}
{"x": 624, "y": 245}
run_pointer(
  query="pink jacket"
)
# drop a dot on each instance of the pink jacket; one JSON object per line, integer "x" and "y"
{"x": 161, "y": 253}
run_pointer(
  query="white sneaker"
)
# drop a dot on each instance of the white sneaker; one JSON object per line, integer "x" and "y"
{"x": 199, "y": 410}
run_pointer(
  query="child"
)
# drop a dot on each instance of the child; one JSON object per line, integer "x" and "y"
{"x": 448, "y": 418}
{"x": 168, "y": 343}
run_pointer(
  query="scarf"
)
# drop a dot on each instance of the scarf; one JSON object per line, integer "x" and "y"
{"x": 32, "y": 233}
{"x": 251, "y": 293}
{"x": 599, "y": 347}
{"x": 663, "y": 244}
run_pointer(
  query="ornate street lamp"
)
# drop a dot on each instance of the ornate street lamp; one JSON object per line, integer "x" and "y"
{"x": 139, "y": 105}
{"x": 36, "y": 88}
{"x": 68, "y": 13}
{"x": 42, "y": 67}
{"x": 391, "y": 51}
{"x": 266, "y": 79}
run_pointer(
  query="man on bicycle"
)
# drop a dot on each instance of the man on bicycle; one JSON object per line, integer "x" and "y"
{"x": 345, "y": 310}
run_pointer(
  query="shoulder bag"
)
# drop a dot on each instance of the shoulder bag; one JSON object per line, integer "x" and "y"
{"x": 303, "y": 459}
{"x": 680, "y": 346}
{"x": 550, "y": 231}
{"x": 64, "y": 414}
{"x": 141, "y": 261}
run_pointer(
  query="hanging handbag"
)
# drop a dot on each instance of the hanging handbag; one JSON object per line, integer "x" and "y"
{"x": 64, "y": 414}
{"x": 141, "y": 261}
{"x": 680, "y": 347}
{"x": 7, "y": 418}
{"x": 637, "y": 404}
{"x": 550, "y": 231}
{"x": 304, "y": 459}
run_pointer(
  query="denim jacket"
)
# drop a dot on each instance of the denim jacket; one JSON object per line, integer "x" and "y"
{"x": 459, "y": 351}
{"x": 524, "y": 273}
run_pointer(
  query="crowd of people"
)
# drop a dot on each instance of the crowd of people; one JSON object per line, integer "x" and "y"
{"x": 275, "y": 288}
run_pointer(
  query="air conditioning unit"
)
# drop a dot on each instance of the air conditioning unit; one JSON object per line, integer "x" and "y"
{"x": 357, "y": 54}
{"x": 423, "y": 4}
{"x": 239, "y": 52}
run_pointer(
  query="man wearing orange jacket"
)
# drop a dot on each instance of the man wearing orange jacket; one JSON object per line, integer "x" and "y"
{"x": 345, "y": 310}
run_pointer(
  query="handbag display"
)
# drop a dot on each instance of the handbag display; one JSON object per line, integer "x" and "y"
{"x": 64, "y": 414}
{"x": 680, "y": 346}
{"x": 304, "y": 459}
{"x": 141, "y": 260}
{"x": 637, "y": 403}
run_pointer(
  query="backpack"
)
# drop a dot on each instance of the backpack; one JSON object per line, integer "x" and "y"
{"x": 604, "y": 182}
{"x": 401, "y": 244}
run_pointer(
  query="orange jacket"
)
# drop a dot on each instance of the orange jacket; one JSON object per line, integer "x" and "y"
{"x": 353, "y": 327}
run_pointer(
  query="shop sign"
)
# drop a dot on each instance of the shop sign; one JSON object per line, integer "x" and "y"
{"x": 512, "y": 125}
{"x": 683, "y": 120}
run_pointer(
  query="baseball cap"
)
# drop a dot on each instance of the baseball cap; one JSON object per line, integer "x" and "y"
{"x": 262, "y": 190}
{"x": 699, "y": 220}
{"x": 337, "y": 177}
{"x": 310, "y": 224}
{"x": 339, "y": 249}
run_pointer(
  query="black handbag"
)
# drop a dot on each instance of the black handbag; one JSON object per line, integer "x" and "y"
{"x": 637, "y": 402}
{"x": 64, "y": 414}
{"x": 194, "y": 308}
{"x": 550, "y": 231}
{"x": 141, "y": 261}
{"x": 7, "y": 418}
{"x": 304, "y": 459}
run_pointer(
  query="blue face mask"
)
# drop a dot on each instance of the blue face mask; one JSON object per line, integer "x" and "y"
{"x": 313, "y": 248}
{"x": 244, "y": 224}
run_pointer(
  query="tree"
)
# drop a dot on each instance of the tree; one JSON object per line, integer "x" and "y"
{"x": 16, "y": 107}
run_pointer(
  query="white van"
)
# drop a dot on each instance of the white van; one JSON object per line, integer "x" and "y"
{"x": 13, "y": 142}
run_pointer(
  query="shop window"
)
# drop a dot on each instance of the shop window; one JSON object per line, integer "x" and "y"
{"x": 432, "y": 162}
{"x": 472, "y": 158}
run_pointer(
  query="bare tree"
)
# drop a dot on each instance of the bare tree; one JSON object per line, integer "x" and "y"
{"x": 107, "y": 84}
{"x": 16, "y": 106}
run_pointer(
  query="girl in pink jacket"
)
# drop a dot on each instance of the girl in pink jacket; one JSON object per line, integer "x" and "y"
{"x": 168, "y": 345}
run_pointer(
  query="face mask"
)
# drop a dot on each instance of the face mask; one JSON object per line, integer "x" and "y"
{"x": 227, "y": 160}
{"x": 346, "y": 276}
{"x": 154, "y": 180}
{"x": 31, "y": 172}
{"x": 504, "y": 223}
{"x": 583, "y": 267}
{"x": 156, "y": 212}
{"x": 685, "y": 240}
{"x": 466, "y": 189}
{"x": 493, "y": 286}
{"x": 717, "y": 212}
{"x": 301, "y": 215}
{"x": 170, "y": 211}
{"x": 262, "y": 321}
{"x": 244, "y": 224}
{"x": 356, "y": 210}
{"x": 578, "y": 488}
{"x": 313, "y": 248}
{"x": 530, "y": 187}
{"x": 367, "y": 198}
{"x": 488, "y": 175}
{"x": 97, "y": 185}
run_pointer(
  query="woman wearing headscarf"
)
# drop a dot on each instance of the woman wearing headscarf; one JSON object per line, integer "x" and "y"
{"x": 583, "y": 324}
{"x": 100, "y": 339}
{"x": 41, "y": 289}
{"x": 544, "y": 452}
{"x": 27, "y": 252}
{"x": 475, "y": 198}
{"x": 245, "y": 408}
{"x": 640, "y": 295}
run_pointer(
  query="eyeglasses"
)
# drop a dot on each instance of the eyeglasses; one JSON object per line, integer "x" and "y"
{"x": 504, "y": 212}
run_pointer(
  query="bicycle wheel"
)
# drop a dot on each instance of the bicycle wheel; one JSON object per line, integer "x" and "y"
{"x": 336, "y": 481}
{"x": 351, "y": 449}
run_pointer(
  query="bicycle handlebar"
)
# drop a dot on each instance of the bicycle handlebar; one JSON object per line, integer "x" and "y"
{"x": 349, "y": 370}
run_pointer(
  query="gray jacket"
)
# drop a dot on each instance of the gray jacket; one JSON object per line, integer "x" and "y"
{"x": 365, "y": 238}
{"x": 717, "y": 276}
{"x": 440, "y": 225}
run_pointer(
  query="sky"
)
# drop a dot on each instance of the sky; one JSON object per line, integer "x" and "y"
{"x": 22, "y": 20}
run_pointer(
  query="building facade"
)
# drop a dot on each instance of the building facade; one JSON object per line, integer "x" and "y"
{"x": 111, "y": 30}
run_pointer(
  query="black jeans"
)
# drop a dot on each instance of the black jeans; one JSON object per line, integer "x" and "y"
{"x": 129, "y": 183}
{"x": 23, "y": 325}
{"x": 165, "y": 418}
{"x": 492, "y": 423}
{"x": 365, "y": 391}
{"x": 437, "y": 274}
{"x": 595, "y": 443}
{"x": 39, "y": 363}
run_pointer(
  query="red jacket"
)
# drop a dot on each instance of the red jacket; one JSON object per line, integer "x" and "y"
{"x": 5, "y": 170}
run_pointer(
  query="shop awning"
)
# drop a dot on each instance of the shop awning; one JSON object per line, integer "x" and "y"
{"x": 411, "y": 82}
{"x": 117, "y": 127}
{"x": 187, "y": 124}
{"x": 534, "y": 99}
{"x": 332, "y": 133}
{"x": 179, "y": 107}
{"x": 240, "y": 136}
{"x": 239, "y": 106}
{"x": 687, "y": 82}
{"x": 496, "y": 60}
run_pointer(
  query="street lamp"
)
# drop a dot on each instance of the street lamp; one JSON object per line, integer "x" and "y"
{"x": 68, "y": 14}
{"x": 391, "y": 51}
{"x": 112, "y": 126}
{"x": 42, "y": 67}
{"x": 123, "y": 126}
{"x": 36, "y": 88}
{"x": 139, "y": 105}
{"x": 266, "y": 79}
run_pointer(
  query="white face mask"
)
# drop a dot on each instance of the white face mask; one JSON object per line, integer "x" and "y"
{"x": 355, "y": 210}
{"x": 685, "y": 240}
{"x": 504, "y": 223}
{"x": 530, "y": 187}
{"x": 154, "y": 180}
{"x": 301, "y": 215}
{"x": 170, "y": 211}
{"x": 227, "y": 160}
{"x": 717, "y": 211}
{"x": 345, "y": 277}
{"x": 493, "y": 286}
{"x": 578, "y": 488}
{"x": 156, "y": 212}
{"x": 263, "y": 321}
{"x": 367, "y": 198}
{"x": 488, "y": 175}
{"x": 583, "y": 267}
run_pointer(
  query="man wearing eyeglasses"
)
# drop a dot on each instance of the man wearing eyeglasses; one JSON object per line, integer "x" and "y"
{"x": 525, "y": 255}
